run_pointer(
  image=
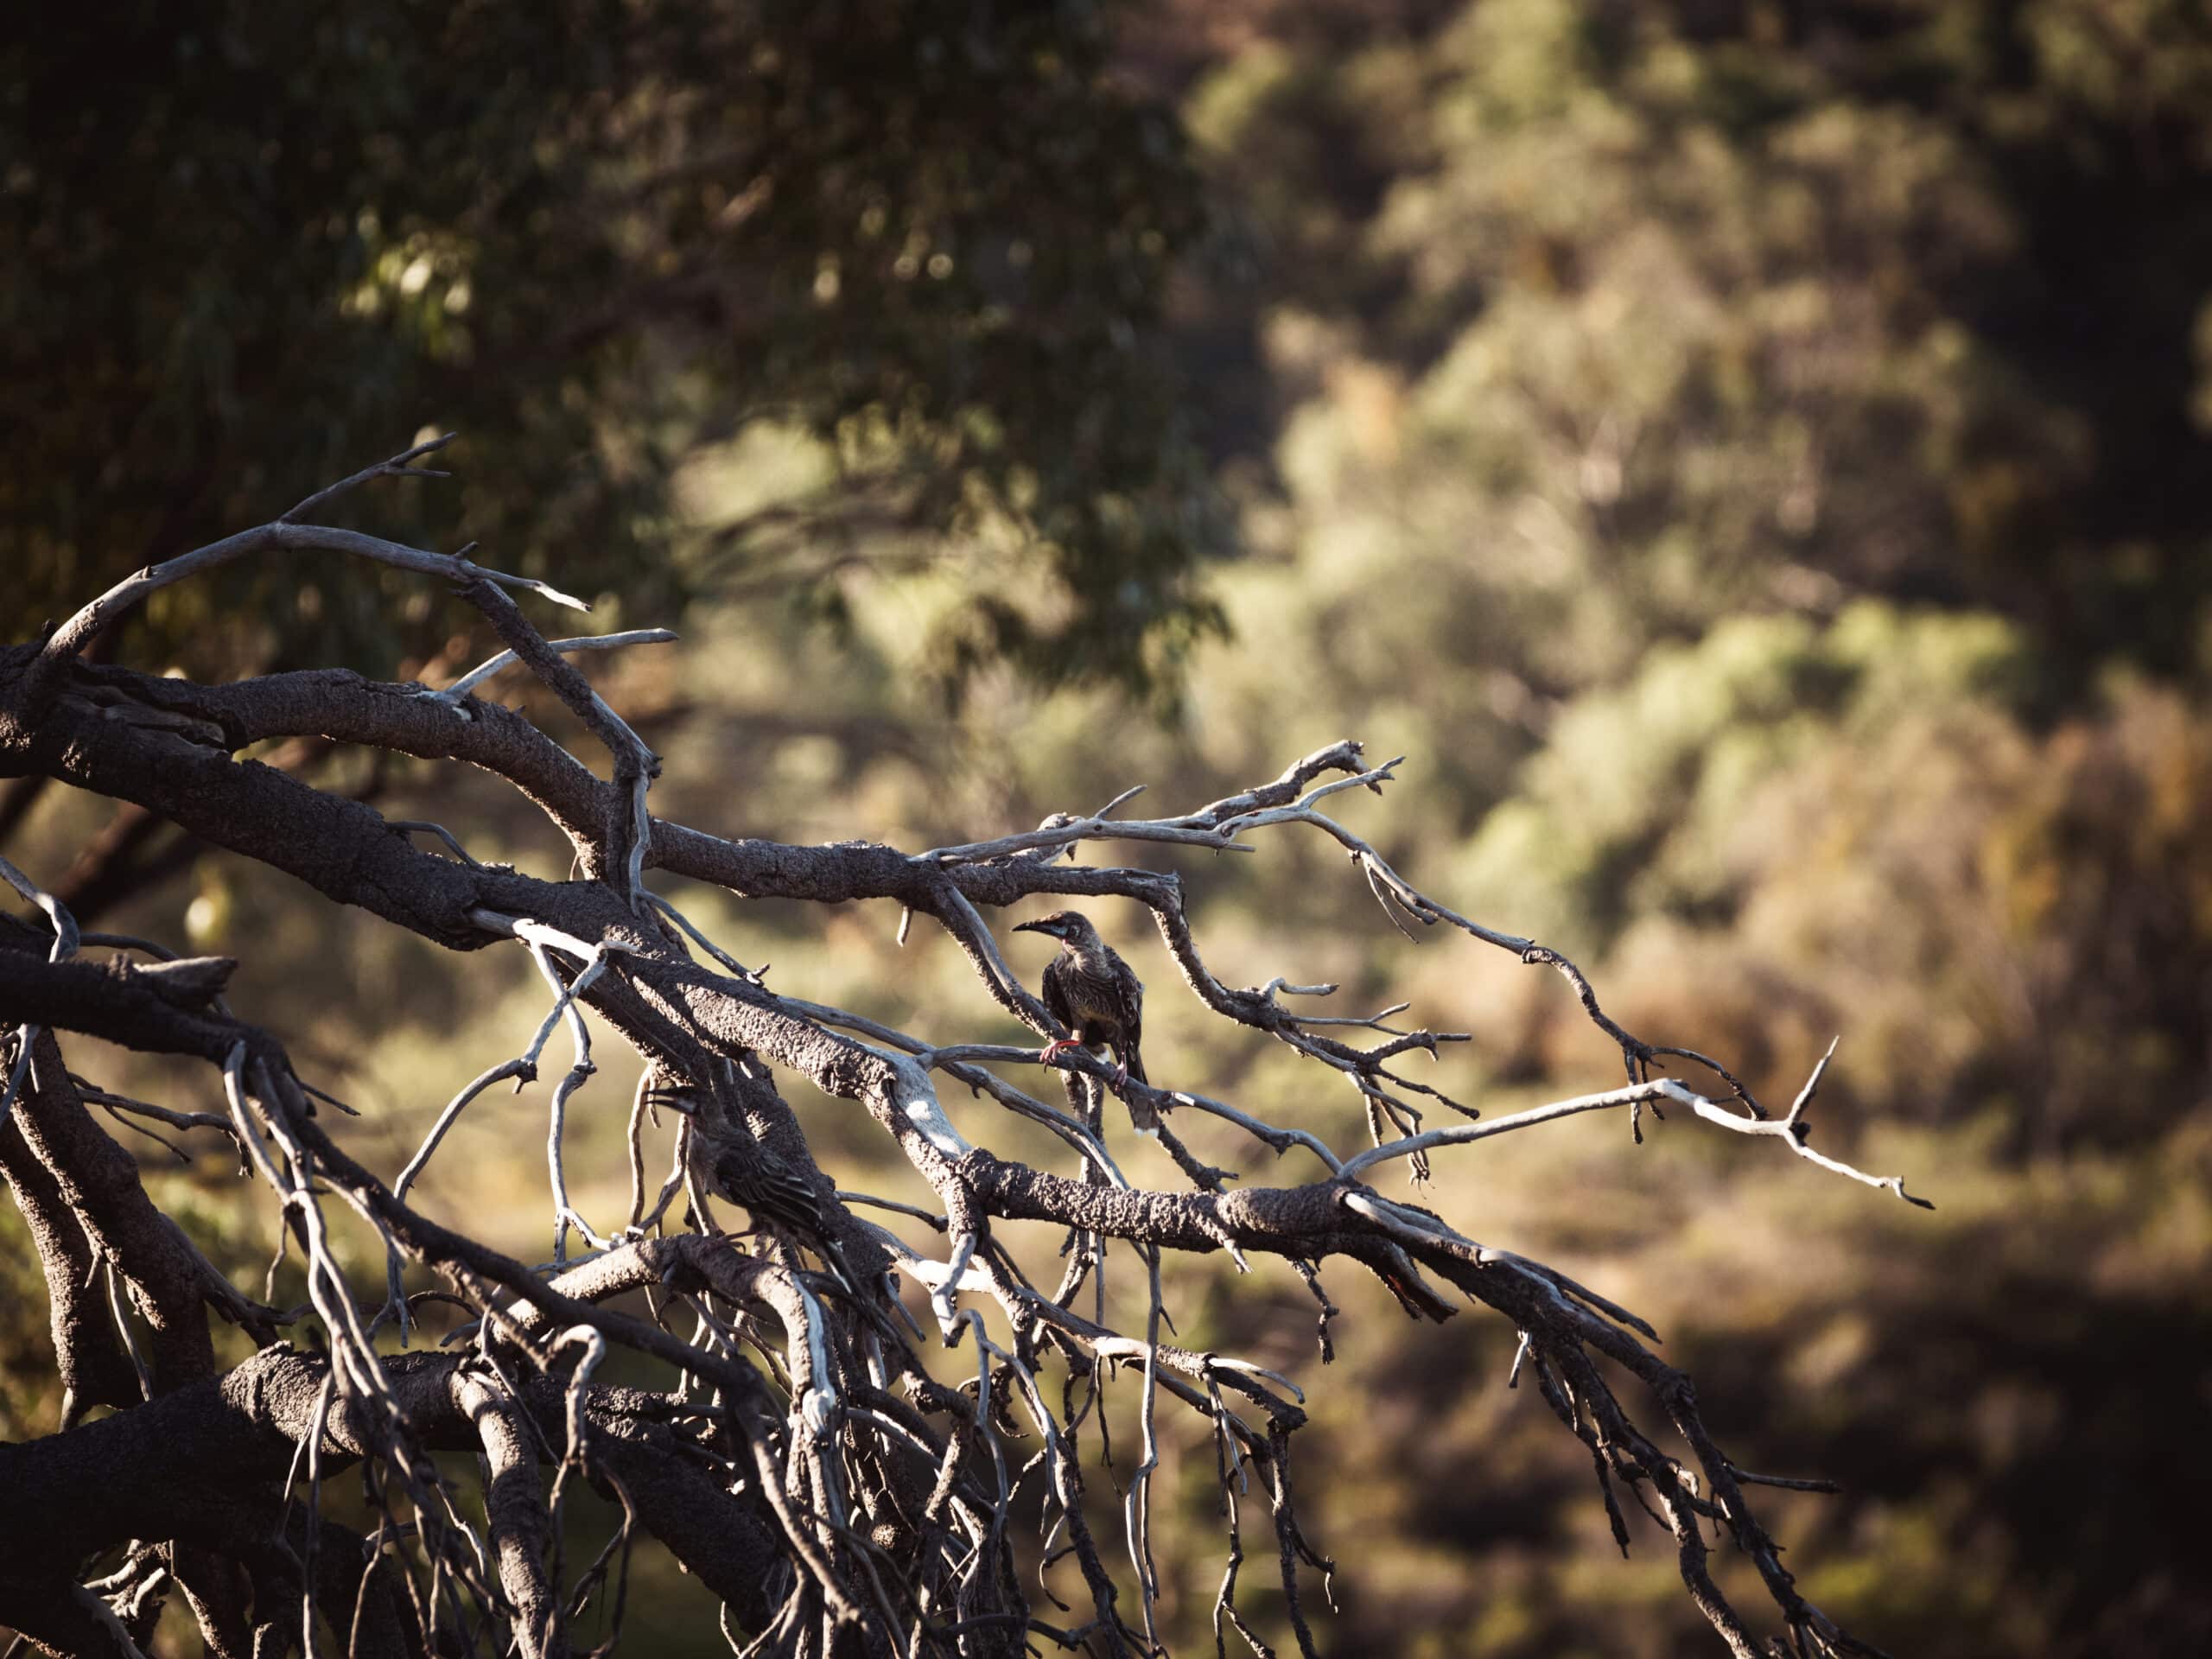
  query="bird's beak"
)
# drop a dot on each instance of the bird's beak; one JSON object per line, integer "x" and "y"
{"x": 1028, "y": 927}
{"x": 677, "y": 1097}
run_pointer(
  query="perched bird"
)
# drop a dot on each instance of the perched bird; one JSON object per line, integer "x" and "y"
{"x": 1091, "y": 991}
{"x": 727, "y": 1158}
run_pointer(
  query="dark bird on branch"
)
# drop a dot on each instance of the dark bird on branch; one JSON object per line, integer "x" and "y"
{"x": 727, "y": 1158}
{"x": 1091, "y": 991}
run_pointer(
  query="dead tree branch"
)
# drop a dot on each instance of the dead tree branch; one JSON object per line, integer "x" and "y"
{"x": 794, "y": 1450}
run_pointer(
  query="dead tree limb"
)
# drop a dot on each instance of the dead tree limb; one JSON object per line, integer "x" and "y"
{"x": 794, "y": 1451}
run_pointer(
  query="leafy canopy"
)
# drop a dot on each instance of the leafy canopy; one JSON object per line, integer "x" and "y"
{"x": 245, "y": 249}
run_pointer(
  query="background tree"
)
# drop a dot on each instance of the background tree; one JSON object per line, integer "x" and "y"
{"x": 933, "y": 238}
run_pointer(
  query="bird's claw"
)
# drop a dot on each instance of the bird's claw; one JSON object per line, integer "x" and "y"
{"x": 1053, "y": 1050}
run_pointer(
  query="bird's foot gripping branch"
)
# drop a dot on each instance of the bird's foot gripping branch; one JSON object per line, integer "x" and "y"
{"x": 791, "y": 1448}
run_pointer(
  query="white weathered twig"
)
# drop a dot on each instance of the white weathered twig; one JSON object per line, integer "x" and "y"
{"x": 396, "y": 467}
{"x": 1788, "y": 1130}
{"x": 522, "y": 1067}
{"x": 565, "y": 1003}
{"x": 1075, "y": 829}
{"x": 66, "y": 937}
{"x": 948, "y": 1286}
{"x": 279, "y": 535}
{"x": 424, "y": 826}
{"x": 1462, "y": 1134}
{"x": 452, "y": 695}
{"x": 65, "y": 940}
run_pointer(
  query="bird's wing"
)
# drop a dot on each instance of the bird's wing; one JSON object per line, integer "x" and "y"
{"x": 1125, "y": 994}
{"x": 1055, "y": 999}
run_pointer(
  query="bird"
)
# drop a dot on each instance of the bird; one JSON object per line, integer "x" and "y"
{"x": 1091, "y": 991}
{"x": 728, "y": 1158}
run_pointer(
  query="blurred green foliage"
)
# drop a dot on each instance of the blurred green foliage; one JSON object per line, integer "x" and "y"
{"x": 1751, "y": 304}
{"x": 245, "y": 252}
{"x": 1751, "y": 457}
